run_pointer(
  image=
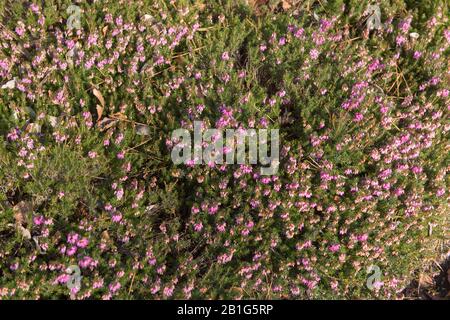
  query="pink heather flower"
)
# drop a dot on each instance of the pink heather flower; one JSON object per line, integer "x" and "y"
{"x": 362, "y": 237}
{"x": 400, "y": 40}
{"x": 117, "y": 217}
{"x": 107, "y": 296}
{"x": 73, "y": 237}
{"x": 34, "y": 8}
{"x": 334, "y": 285}
{"x": 87, "y": 262}
{"x": 63, "y": 278}
{"x": 92, "y": 154}
{"x": 399, "y": 191}
{"x": 416, "y": 169}
{"x": 155, "y": 289}
{"x": 443, "y": 93}
{"x": 378, "y": 284}
{"x": 225, "y": 56}
{"x": 14, "y": 266}
{"x": 195, "y": 210}
{"x": 334, "y": 247}
{"x": 119, "y": 194}
{"x": 187, "y": 291}
{"x": 198, "y": 227}
{"x": 221, "y": 227}
{"x": 92, "y": 39}
{"x": 358, "y": 117}
{"x": 447, "y": 35}
{"x": 263, "y": 122}
{"x": 404, "y": 25}
{"x": 62, "y": 249}
{"x": 417, "y": 55}
{"x": 83, "y": 243}
{"x": 4, "y": 65}
{"x": 375, "y": 155}
{"x": 114, "y": 287}
{"x": 224, "y": 258}
{"x": 119, "y": 21}
{"x": 314, "y": 54}
{"x": 310, "y": 284}
{"x": 38, "y": 220}
{"x": 385, "y": 174}
{"x": 213, "y": 209}
{"x": 120, "y": 274}
{"x": 71, "y": 251}
{"x": 226, "y": 78}
{"x": 119, "y": 138}
{"x": 97, "y": 284}
{"x": 13, "y": 135}
{"x": 295, "y": 291}
{"x": 168, "y": 291}
{"x": 74, "y": 290}
{"x": 20, "y": 30}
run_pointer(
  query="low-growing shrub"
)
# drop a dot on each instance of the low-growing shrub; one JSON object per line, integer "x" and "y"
{"x": 86, "y": 117}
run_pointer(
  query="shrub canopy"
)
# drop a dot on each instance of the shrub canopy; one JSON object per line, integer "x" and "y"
{"x": 87, "y": 180}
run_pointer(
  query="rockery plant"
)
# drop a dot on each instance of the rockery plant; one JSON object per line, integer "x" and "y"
{"x": 93, "y": 207}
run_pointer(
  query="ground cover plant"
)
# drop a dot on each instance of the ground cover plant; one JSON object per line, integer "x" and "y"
{"x": 92, "y": 90}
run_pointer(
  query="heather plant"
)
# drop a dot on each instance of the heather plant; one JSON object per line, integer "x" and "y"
{"x": 87, "y": 177}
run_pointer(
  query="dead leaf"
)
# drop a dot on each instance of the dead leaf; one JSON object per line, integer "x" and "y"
{"x": 21, "y": 211}
{"x": 69, "y": 56}
{"x": 99, "y": 112}
{"x": 119, "y": 116}
{"x": 24, "y": 231}
{"x": 38, "y": 246}
{"x": 201, "y": 6}
{"x": 316, "y": 17}
{"x": 104, "y": 30}
{"x": 425, "y": 280}
{"x": 151, "y": 208}
{"x": 105, "y": 235}
{"x": 53, "y": 121}
{"x": 106, "y": 123}
{"x": 34, "y": 128}
{"x": 148, "y": 69}
{"x": 149, "y": 18}
{"x": 99, "y": 96}
{"x": 142, "y": 130}
{"x": 286, "y": 5}
{"x": 257, "y": 5}
{"x": 11, "y": 84}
